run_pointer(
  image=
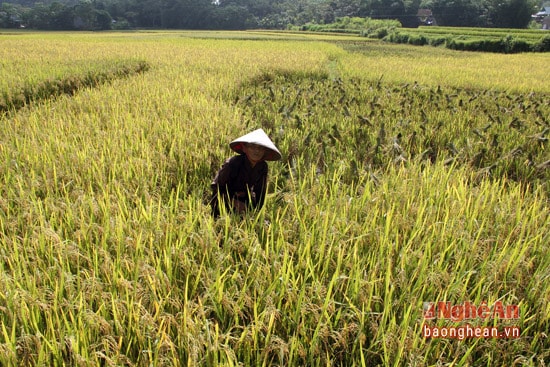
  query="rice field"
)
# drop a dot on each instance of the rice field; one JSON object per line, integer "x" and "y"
{"x": 410, "y": 176}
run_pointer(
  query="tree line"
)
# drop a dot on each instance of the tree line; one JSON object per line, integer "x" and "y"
{"x": 250, "y": 14}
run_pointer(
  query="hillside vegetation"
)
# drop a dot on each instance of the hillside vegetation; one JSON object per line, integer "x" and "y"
{"x": 253, "y": 14}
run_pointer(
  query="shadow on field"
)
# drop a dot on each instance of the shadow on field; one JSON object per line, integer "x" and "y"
{"x": 23, "y": 96}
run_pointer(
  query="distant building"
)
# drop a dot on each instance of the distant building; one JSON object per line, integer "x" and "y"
{"x": 543, "y": 13}
{"x": 546, "y": 23}
{"x": 425, "y": 17}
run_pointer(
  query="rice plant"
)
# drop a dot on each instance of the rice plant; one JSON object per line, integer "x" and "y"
{"x": 383, "y": 201}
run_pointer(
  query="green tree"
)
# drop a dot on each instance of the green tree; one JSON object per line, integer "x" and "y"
{"x": 410, "y": 18}
{"x": 125, "y": 12}
{"x": 62, "y": 17}
{"x": 242, "y": 14}
{"x": 84, "y": 15}
{"x": 510, "y": 13}
{"x": 186, "y": 14}
{"x": 457, "y": 13}
{"x": 346, "y": 8}
{"x": 10, "y": 15}
{"x": 37, "y": 17}
{"x": 102, "y": 20}
{"x": 308, "y": 11}
{"x": 233, "y": 16}
{"x": 385, "y": 9}
{"x": 149, "y": 13}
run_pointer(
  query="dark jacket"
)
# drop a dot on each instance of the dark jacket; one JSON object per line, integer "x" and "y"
{"x": 237, "y": 179}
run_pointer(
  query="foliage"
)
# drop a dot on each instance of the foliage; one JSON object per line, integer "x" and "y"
{"x": 459, "y": 13}
{"x": 250, "y": 14}
{"x": 511, "y": 13}
{"x": 403, "y": 11}
{"x": 357, "y": 25}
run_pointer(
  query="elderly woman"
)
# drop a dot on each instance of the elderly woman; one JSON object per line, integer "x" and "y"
{"x": 241, "y": 182}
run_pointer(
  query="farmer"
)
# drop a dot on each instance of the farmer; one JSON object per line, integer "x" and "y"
{"x": 241, "y": 182}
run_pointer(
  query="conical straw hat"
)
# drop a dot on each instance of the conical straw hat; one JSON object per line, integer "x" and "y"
{"x": 258, "y": 137}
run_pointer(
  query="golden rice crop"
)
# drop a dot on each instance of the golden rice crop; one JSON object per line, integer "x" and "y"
{"x": 109, "y": 256}
{"x": 515, "y": 73}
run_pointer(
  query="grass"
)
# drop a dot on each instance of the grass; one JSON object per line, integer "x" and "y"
{"x": 109, "y": 255}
